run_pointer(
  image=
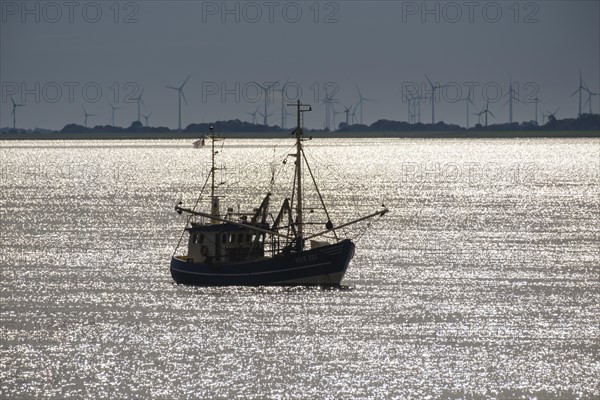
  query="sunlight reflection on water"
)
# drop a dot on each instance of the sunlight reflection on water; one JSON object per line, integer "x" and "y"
{"x": 481, "y": 282}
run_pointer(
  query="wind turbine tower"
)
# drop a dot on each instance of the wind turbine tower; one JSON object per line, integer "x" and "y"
{"x": 146, "y": 117}
{"x": 265, "y": 90}
{"x": 139, "y": 101}
{"x": 536, "y": 101}
{"x": 114, "y": 108}
{"x": 511, "y": 96}
{"x": 284, "y": 112}
{"x": 180, "y": 96}
{"x": 361, "y": 100}
{"x": 85, "y": 116}
{"x": 589, "y": 99}
{"x": 347, "y": 112}
{"x": 468, "y": 100}
{"x": 433, "y": 89}
{"x": 487, "y": 111}
{"x": 14, "y": 111}
{"x": 581, "y": 88}
{"x": 253, "y": 115}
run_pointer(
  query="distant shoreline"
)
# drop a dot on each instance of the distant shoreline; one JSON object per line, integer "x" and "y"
{"x": 268, "y": 135}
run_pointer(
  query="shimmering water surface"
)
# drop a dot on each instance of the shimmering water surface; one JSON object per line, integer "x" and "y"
{"x": 483, "y": 281}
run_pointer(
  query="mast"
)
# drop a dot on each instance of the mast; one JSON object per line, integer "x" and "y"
{"x": 299, "y": 173}
{"x": 214, "y": 201}
{"x": 299, "y": 160}
{"x": 212, "y": 169}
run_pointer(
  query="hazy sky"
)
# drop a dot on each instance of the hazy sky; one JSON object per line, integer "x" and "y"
{"x": 57, "y": 56}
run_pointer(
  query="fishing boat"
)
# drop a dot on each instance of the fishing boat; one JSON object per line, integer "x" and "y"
{"x": 258, "y": 249}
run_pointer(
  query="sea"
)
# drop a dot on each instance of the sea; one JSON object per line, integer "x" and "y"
{"x": 481, "y": 282}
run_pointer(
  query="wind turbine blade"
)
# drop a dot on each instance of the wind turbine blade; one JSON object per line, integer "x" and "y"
{"x": 587, "y": 101}
{"x": 171, "y": 87}
{"x": 12, "y": 113}
{"x": 359, "y": 93}
{"x": 491, "y": 113}
{"x": 184, "y": 82}
{"x": 184, "y": 99}
{"x": 428, "y": 80}
{"x": 575, "y": 92}
{"x": 259, "y": 85}
{"x": 84, "y": 111}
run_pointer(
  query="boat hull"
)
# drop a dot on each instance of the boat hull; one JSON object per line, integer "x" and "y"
{"x": 320, "y": 266}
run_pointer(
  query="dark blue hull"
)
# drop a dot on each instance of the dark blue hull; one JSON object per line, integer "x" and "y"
{"x": 321, "y": 266}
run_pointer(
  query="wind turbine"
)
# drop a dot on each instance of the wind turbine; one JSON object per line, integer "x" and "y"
{"x": 433, "y": 89}
{"x": 589, "y": 99}
{"x": 511, "y": 97}
{"x": 468, "y": 100}
{"x": 536, "y": 101}
{"x": 552, "y": 114}
{"x": 266, "y": 89}
{"x": 329, "y": 101}
{"x": 353, "y": 113}
{"x": 114, "y": 108}
{"x": 253, "y": 115}
{"x": 146, "y": 118}
{"x": 14, "y": 111}
{"x": 180, "y": 95}
{"x": 361, "y": 100}
{"x": 265, "y": 116}
{"x": 86, "y": 115}
{"x": 347, "y": 112}
{"x": 284, "y": 112}
{"x": 544, "y": 115}
{"x": 334, "y": 115}
{"x": 579, "y": 90}
{"x": 411, "y": 106}
{"x": 478, "y": 117}
{"x": 139, "y": 101}
{"x": 486, "y": 112}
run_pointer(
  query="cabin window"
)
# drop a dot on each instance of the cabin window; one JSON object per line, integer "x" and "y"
{"x": 201, "y": 238}
{"x": 231, "y": 238}
{"x": 240, "y": 238}
{"x": 224, "y": 238}
{"x": 248, "y": 238}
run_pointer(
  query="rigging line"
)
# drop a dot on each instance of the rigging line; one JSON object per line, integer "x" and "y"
{"x": 319, "y": 193}
{"x": 292, "y": 199}
{"x": 189, "y": 218}
{"x": 369, "y": 225}
{"x": 275, "y": 174}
